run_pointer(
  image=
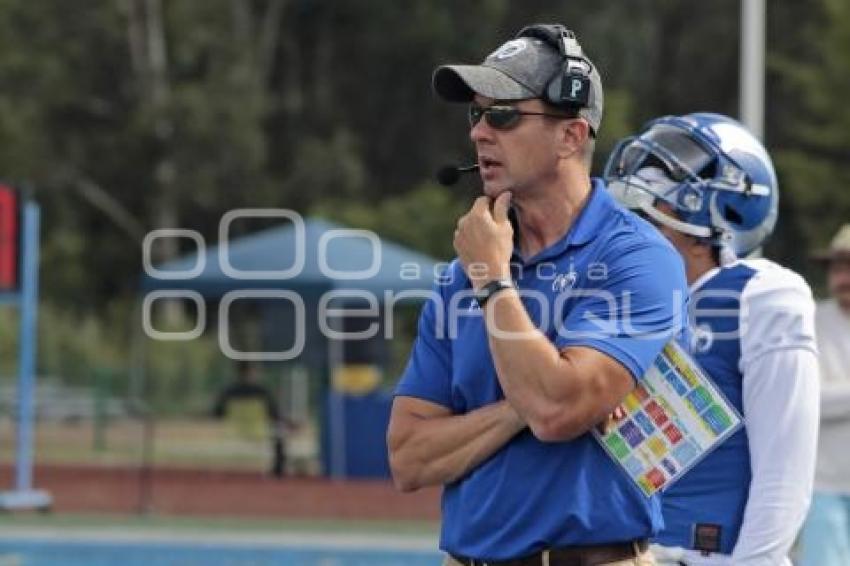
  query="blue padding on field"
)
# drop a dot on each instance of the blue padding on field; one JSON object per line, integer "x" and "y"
{"x": 362, "y": 423}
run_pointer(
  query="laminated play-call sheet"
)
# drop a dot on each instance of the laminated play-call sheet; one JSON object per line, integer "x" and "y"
{"x": 670, "y": 421}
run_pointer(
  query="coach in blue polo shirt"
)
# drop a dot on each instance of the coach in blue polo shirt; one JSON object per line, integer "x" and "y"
{"x": 539, "y": 328}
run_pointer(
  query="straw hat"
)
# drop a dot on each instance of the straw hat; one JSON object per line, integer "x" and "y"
{"x": 839, "y": 248}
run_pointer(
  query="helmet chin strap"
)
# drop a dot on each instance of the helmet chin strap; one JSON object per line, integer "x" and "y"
{"x": 727, "y": 252}
{"x": 727, "y": 255}
{"x": 654, "y": 182}
{"x": 675, "y": 224}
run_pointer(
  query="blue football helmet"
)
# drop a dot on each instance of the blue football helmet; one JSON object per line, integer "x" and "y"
{"x": 715, "y": 176}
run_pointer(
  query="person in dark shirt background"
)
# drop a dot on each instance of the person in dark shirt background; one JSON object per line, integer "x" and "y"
{"x": 253, "y": 410}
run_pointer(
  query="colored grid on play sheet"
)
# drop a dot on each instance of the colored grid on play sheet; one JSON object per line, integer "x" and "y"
{"x": 673, "y": 418}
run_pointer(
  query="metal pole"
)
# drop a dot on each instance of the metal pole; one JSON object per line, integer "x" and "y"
{"x": 26, "y": 380}
{"x": 752, "y": 65}
{"x": 24, "y": 496}
{"x": 142, "y": 411}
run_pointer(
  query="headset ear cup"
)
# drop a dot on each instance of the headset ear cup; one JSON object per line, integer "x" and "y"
{"x": 575, "y": 89}
{"x": 554, "y": 89}
{"x": 570, "y": 89}
{"x": 569, "y": 86}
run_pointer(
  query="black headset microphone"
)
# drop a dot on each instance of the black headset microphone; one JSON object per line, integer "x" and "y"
{"x": 448, "y": 175}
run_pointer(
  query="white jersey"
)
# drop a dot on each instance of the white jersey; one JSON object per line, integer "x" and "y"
{"x": 754, "y": 335}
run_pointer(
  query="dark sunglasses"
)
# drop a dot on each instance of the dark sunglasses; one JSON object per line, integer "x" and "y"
{"x": 503, "y": 117}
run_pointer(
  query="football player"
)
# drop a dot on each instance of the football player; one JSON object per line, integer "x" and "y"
{"x": 710, "y": 187}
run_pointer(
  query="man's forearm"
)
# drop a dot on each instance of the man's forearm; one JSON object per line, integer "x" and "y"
{"x": 524, "y": 358}
{"x": 559, "y": 396}
{"x": 435, "y": 450}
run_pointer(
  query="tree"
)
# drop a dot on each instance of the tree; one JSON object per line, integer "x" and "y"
{"x": 810, "y": 125}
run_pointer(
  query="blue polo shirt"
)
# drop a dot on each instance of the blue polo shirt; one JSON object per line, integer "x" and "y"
{"x": 612, "y": 283}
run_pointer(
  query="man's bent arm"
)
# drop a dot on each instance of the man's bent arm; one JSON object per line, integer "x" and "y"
{"x": 428, "y": 445}
{"x": 561, "y": 395}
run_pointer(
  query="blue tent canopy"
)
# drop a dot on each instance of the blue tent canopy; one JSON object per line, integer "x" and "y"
{"x": 345, "y": 257}
{"x": 332, "y": 258}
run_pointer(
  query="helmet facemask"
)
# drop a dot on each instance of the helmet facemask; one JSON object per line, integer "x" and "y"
{"x": 669, "y": 163}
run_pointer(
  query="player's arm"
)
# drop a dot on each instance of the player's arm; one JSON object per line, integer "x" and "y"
{"x": 428, "y": 445}
{"x": 780, "y": 397}
{"x": 560, "y": 394}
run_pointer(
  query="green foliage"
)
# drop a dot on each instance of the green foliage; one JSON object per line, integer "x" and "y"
{"x": 811, "y": 128}
{"x": 328, "y": 168}
{"x": 90, "y": 351}
{"x": 617, "y": 124}
{"x": 311, "y": 105}
{"x": 325, "y": 107}
{"x": 423, "y": 218}
{"x": 70, "y": 347}
{"x": 184, "y": 377}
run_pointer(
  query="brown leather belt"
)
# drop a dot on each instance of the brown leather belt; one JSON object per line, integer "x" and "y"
{"x": 591, "y": 555}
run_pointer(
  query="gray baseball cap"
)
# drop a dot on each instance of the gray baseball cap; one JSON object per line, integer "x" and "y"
{"x": 518, "y": 70}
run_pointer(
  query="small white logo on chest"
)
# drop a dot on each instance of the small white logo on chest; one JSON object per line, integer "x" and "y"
{"x": 564, "y": 281}
{"x": 702, "y": 338}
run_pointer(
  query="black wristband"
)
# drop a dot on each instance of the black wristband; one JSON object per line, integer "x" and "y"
{"x": 483, "y": 294}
